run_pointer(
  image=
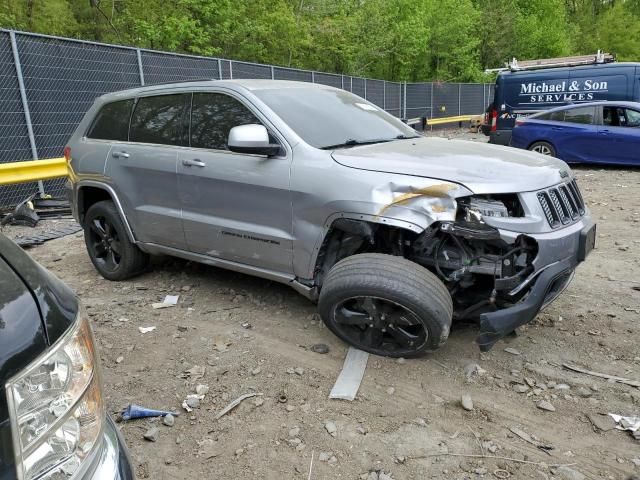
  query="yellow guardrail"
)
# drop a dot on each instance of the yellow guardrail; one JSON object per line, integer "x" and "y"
{"x": 32, "y": 170}
{"x": 440, "y": 121}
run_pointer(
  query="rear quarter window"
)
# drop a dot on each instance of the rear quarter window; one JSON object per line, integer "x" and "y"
{"x": 112, "y": 121}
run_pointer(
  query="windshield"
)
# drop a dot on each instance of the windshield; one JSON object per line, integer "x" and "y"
{"x": 327, "y": 118}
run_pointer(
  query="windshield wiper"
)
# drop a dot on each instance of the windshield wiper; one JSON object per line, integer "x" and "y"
{"x": 353, "y": 142}
{"x": 405, "y": 137}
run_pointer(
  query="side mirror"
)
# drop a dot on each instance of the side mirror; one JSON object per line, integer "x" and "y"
{"x": 252, "y": 139}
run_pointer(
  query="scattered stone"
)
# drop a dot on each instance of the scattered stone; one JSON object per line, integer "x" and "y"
{"x": 391, "y": 390}
{"x": 169, "y": 420}
{"x": 324, "y": 456}
{"x": 481, "y": 471}
{"x": 421, "y": 422}
{"x": 294, "y": 442}
{"x": 512, "y": 351}
{"x": 401, "y": 361}
{"x": 320, "y": 348}
{"x": 472, "y": 369}
{"x": 290, "y": 408}
{"x": 384, "y": 476}
{"x": 246, "y": 325}
{"x": 466, "y": 402}
{"x": 294, "y": 432}
{"x": 519, "y": 388}
{"x": 333, "y": 460}
{"x": 545, "y": 405}
{"x": 331, "y": 428}
{"x": 258, "y": 401}
{"x": 256, "y": 371}
{"x": 603, "y": 423}
{"x": 192, "y": 401}
{"x": 566, "y": 473}
{"x": 361, "y": 430}
{"x": 152, "y": 434}
{"x": 120, "y": 359}
{"x": 584, "y": 392}
{"x": 239, "y": 452}
{"x": 202, "y": 389}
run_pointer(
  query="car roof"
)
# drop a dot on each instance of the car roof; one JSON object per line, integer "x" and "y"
{"x": 593, "y": 104}
{"x": 236, "y": 84}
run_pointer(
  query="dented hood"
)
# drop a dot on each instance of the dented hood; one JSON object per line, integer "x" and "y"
{"x": 480, "y": 167}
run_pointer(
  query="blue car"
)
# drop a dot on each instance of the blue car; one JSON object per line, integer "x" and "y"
{"x": 602, "y": 132}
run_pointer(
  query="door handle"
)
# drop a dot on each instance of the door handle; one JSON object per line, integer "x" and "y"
{"x": 193, "y": 163}
{"x": 604, "y": 132}
{"x": 120, "y": 155}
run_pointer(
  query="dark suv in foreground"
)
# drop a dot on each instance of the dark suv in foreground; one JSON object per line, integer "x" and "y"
{"x": 53, "y": 423}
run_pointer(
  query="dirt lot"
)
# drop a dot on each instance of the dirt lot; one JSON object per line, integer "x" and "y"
{"x": 252, "y": 336}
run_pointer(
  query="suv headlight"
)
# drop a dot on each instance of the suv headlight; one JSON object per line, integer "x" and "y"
{"x": 477, "y": 207}
{"x": 56, "y": 407}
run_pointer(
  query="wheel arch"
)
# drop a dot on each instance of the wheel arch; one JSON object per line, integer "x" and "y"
{"x": 359, "y": 228}
{"x": 539, "y": 140}
{"x": 90, "y": 192}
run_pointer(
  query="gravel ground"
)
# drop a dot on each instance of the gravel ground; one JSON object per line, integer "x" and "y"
{"x": 238, "y": 334}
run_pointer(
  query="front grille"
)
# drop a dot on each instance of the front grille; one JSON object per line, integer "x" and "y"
{"x": 562, "y": 204}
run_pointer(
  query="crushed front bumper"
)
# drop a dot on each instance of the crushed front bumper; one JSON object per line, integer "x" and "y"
{"x": 558, "y": 255}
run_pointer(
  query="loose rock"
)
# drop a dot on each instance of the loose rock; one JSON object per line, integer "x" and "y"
{"x": 466, "y": 402}
{"x": 320, "y": 348}
{"x": 566, "y": 473}
{"x": 544, "y": 405}
{"x": 169, "y": 420}
{"x": 152, "y": 434}
{"x": 512, "y": 351}
{"x": 331, "y": 428}
{"x": 294, "y": 432}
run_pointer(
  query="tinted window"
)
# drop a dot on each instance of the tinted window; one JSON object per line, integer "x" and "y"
{"x": 160, "y": 119}
{"x": 213, "y": 115}
{"x": 584, "y": 115}
{"x": 112, "y": 121}
{"x": 553, "y": 116}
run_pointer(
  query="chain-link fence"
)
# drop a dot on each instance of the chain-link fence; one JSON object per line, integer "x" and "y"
{"x": 48, "y": 83}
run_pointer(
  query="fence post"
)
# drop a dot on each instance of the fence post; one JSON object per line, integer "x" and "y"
{"x": 351, "y": 84}
{"x": 400, "y": 100}
{"x": 25, "y": 104}
{"x": 384, "y": 95}
{"x": 431, "y": 104}
{"x": 365, "y": 88}
{"x": 231, "y": 69}
{"x": 140, "y": 69}
{"x": 273, "y": 73}
{"x": 313, "y": 77}
{"x": 219, "y": 69}
{"x": 459, "y": 98}
{"x": 404, "y": 101}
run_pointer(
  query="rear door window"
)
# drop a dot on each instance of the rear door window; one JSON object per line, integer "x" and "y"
{"x": 632, "y": 118}
{"x": 161, "y": 119}
{"x": 584, "y": 115}
{"x": 553, "y": 116}
{"x": 112, "y": 121}
{"x": 213, "y": 115}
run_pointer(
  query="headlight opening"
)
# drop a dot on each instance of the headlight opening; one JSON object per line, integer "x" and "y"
{"x": 56, "y": 407}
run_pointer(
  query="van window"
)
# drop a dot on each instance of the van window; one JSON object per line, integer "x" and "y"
{"x": 112, "y": 121}
{"x": 213, "y": 115}
{"x": 584, "y": 115}
{"x": 160, "y": 119}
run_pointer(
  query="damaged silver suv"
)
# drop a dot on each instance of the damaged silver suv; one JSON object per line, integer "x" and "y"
{"x": 393, "y": 234}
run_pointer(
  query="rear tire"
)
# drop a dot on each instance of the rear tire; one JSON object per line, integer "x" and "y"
{"x": 543, "y": 148}
{"x": 386, "y": 305}
{"x": 109, "y": 248}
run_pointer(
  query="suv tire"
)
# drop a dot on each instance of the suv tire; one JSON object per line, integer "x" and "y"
{"x": 386, "y": 305}
{"x": 109, "y": 248}
{"x": 543, "y": 148}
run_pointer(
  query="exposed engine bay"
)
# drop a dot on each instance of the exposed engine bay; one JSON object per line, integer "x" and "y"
{"x": 482, "y": 272}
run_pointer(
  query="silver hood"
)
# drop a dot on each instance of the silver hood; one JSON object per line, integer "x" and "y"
{"x": 480, "y": 167}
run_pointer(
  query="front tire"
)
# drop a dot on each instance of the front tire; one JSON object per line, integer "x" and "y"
{"x": 386, "y": 305}
{"x": 109, "y": 248}
{"x": 543, "y": 148}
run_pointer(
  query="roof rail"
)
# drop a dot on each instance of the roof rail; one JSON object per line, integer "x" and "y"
{"x": 515, "y": 66}
{"x": 179, "y": 81}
